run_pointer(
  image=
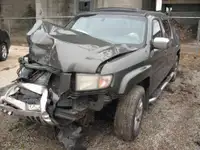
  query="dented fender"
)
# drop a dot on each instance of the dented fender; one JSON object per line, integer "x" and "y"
{"x": 134, "y": 77}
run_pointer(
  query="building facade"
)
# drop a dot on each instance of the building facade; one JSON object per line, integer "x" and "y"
{"x": 183, "y": 8}
{"x": 49, "y": 8}
{"x": 72, "y": 7}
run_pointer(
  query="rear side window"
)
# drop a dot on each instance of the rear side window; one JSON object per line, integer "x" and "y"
{"x": 167, "y": 28}
{"x": 157, "y": 31}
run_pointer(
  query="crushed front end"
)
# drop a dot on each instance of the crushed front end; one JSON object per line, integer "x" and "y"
{"x": 47, "y": 96}
{"x": 58, "y": 80}
{"x": 33, "y": 96}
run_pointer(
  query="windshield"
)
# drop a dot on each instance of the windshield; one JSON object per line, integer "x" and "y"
{"x": 117, "y": 29}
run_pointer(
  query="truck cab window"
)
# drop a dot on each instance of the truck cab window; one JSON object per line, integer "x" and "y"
{"x": 167, "y": 28}
{"x": 157, "y": 31}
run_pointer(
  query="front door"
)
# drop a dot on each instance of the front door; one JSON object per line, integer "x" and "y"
{"x": 158, "y": 58}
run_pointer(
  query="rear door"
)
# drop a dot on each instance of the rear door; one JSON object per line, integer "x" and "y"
{"x": 171, "y": 51}
{"x": 158, "y": 57}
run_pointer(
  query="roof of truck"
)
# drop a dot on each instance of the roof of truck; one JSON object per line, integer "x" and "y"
{"x": 132, "y": 11}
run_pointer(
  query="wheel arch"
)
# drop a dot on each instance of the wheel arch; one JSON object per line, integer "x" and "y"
{"x": 140, "y": 76}
{"x": 146, "y": 84}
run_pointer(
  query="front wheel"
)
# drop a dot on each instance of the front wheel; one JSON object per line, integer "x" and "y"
{"x": 3, "y": 52}
{"x": 129, "y": 114}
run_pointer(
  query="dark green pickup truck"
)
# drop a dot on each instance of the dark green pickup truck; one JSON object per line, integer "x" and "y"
{"x": 108, "y": 56}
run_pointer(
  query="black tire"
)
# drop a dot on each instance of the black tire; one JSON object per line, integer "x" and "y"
{"x": 124, "y": 123}
{"x": 3, "y": 52}
{"x": 175, "y": 69}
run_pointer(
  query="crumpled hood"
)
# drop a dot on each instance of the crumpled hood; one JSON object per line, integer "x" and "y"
{"x": 70, "y": 51}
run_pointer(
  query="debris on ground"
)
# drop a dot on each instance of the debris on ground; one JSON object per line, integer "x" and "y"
{"x": 186, "y": 32}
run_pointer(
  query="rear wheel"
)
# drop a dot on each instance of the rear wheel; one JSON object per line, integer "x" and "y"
{"x": 129, "y": 114}
{"x": 3, "y": 52}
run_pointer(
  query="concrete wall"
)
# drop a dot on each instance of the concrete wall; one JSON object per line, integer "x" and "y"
{"x": 54, "y": 7}
{"x": 15, "y": 8}
{"x": 46, "y": 8}
{"x": 181, "y": 1}
{"x": 186, "y": 8}
{"x": 51, "y": 8}
{"x": 149, "y": 5}
{"x": 120, "y": 3}
{"x": 142, "y": 4}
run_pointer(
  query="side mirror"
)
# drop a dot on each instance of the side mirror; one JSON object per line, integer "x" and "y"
{"x": 161, "y": 43}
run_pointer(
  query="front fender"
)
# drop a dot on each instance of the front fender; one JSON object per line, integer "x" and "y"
{"x": 134, "y": 77}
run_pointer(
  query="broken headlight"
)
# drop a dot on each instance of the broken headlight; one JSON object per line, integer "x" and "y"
{"x": 86, "y": 82}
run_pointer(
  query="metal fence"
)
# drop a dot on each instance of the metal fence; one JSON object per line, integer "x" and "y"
{"x": 187, "y": 27}
{"x": 18, "y": 27}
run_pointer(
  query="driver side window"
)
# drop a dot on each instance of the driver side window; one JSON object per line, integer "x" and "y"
{"x": 157, "y": 31}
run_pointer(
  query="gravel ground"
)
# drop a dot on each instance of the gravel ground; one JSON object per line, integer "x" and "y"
{"x": 172, "y": 123}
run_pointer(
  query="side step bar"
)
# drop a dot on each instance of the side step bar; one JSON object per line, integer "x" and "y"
{"x": 162, "y": 87}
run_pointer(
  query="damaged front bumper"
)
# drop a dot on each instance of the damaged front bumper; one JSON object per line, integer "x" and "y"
{"x": 36, "y": 112}
{"x": 45, "y": 109}
{"x": 69, "y": 135}
{"x": 48, "y": 98}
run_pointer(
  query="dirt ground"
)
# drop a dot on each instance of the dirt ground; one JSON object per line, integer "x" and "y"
{"x": 9, "y": 67}
{"x": 172, "y": 123}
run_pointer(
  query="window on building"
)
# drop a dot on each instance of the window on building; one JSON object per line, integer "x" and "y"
{"x": 157, "y": 31}
{"x": 167, "y": 28}
{"x": 84, "y": 5}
